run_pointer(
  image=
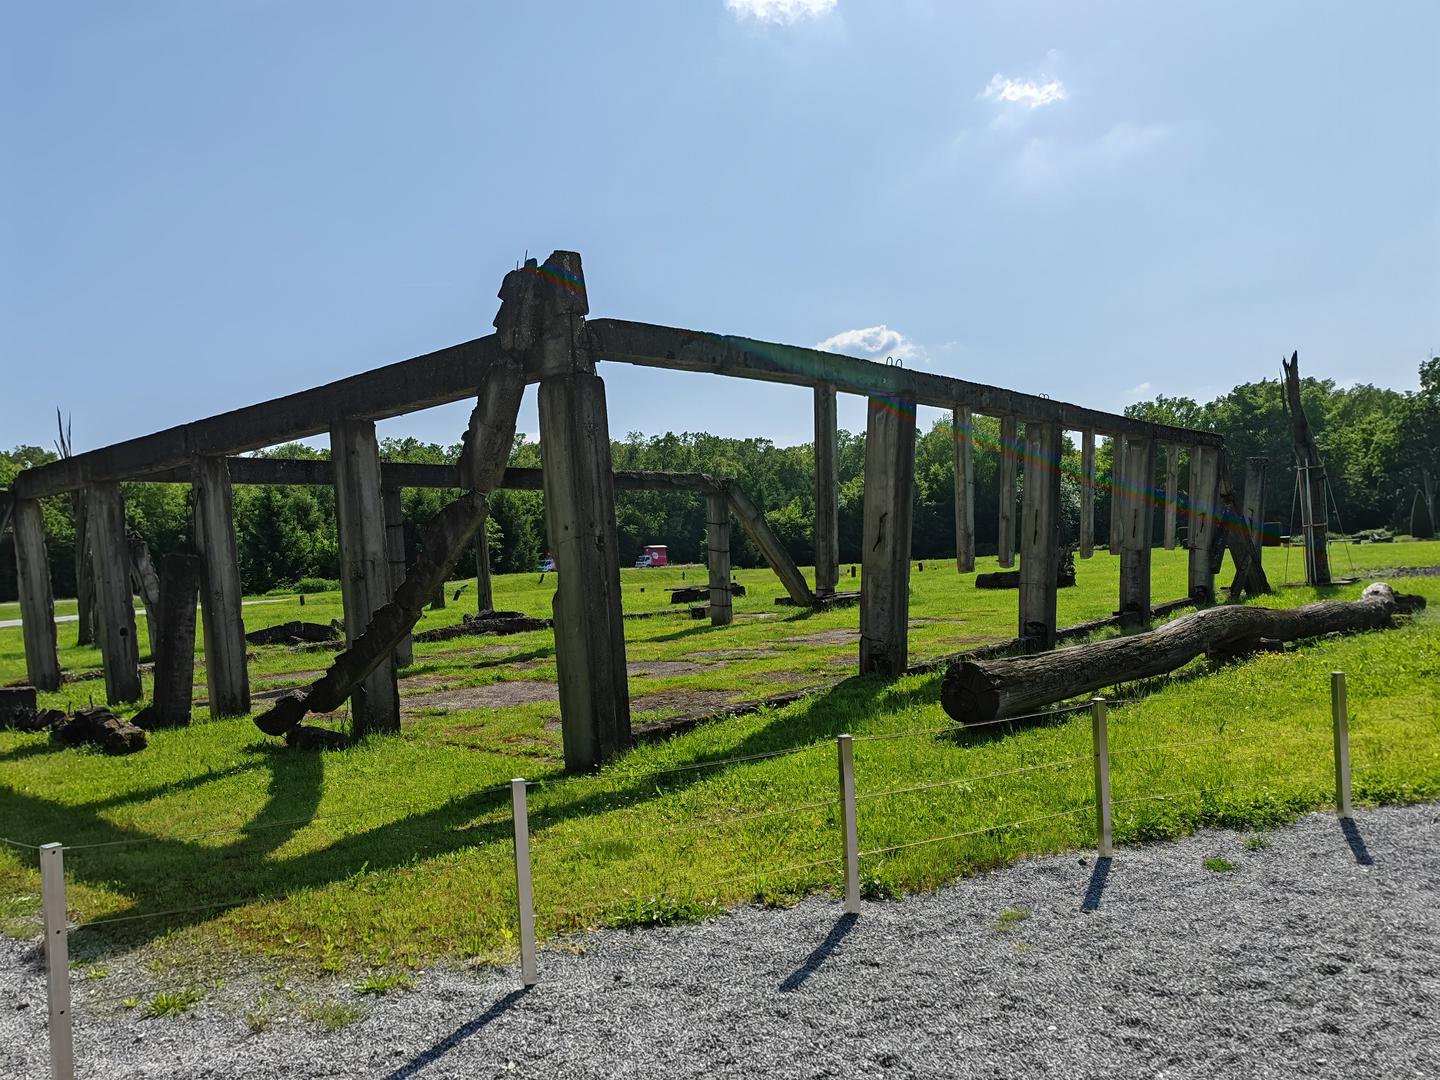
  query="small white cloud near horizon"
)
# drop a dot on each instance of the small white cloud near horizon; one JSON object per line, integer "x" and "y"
{"x": 873, "y": 341}
{"x": 1028, "y": 93}
{"x": 780, "y": 11}
{"x": 1139, "y": 391}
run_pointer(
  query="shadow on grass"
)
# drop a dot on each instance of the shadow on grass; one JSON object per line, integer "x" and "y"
{"x": 164, "y": 876}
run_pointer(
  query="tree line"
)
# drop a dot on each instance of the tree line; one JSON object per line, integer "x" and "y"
{"x": 1375, "y": 442}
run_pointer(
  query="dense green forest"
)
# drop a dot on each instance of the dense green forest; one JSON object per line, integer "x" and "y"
{"x": 1374, "y": 441}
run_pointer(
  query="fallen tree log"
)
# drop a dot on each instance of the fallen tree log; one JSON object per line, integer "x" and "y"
{"x": 976, "y": 691}
{"x": 1010, "y": 579}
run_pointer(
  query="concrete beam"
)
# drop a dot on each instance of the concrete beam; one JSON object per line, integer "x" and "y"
{"x": 226, "y": 675}
{"x": 888, "y": 522}
{"x": 174, "y": 652}
{"x": 1254, "y": 508}
{"x": 37, "y": 601}
{"x": 1087, "y": 494}
{"x": 580, "y": 523}
{"x": 827, "y": 492}
{"x": 364, "y": 565}
{"x": 771, "y": 549}
{"x": 1010, "y": 450}
{"x": 114, "y": 603}
{"x": 484, "y": 590}
{"x": 1040, "y": 536}
{"x": 1137, "y": 526}
{"x": 717, "y": 559}
{"x": 648, "y": 345}
{"x": 962, "y": 425}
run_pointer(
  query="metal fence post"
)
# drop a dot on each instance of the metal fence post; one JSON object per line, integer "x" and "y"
{"x": 1339, "y": 711}
{"x": 848, "y": 825}
{"x": 1100, "y": 732}
{"x": 524, "y": 888}
{"x": 57, "y": 961}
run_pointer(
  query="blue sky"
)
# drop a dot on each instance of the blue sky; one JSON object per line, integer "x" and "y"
{"x": 208, "y": 204}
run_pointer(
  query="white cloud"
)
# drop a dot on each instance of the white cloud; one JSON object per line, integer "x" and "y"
{"x": 1139, "y": 391}
{"x": 1024, "y": 92}
{"x": 873, "y": 341}
{"x": 780, "y": 11}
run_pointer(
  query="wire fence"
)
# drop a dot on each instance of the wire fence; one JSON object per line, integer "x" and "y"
{"x": 821, "y": 836}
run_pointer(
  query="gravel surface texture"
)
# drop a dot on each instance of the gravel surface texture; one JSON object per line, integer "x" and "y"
{"x": 1316, "y": 956}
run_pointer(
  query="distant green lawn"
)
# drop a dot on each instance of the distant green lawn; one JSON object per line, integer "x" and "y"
{"x": 396, "y": 852}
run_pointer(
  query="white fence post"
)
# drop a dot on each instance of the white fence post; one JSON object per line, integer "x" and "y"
{"x": 848, "y": 824}
{"x": 57, "y": 961}
{"x": 1339, "y": 711}
{"x": 1100, "y": 732}
{"x": 524, "y": 888}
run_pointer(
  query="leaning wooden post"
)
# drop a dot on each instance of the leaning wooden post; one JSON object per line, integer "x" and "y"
{"x": 1172, "y": 493}
{"x": 1137, "y": 525}
{"x": 1100, "y": 737}
{"x": 37, "y": 602}
{"x": 57, "y": 961}
{"x": 1040, "y": 535}
{"x": 717, "y": 557}
{"x": 888, "y": 519}
{"x": 1204, "y": 511}
{"x": 395, "y": 556}
{"x": 1117, "y": 493}
{"x": 827, "y": 492}
{"x": 849, "y": 827}
{"x": 1010, "y": 450}
{"x": 1087, "y": 494}
{"x": 962, "y": 423}
{"x": 1340, "y": 715}
{"x": 114, "y": 603}
{"x": 226, "y": 676}
{"x": 364, "y": 564}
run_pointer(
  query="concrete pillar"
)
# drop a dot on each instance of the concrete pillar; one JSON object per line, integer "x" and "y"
{"x": 827, "y": 492}
{"x": 1087, "y": 494}
{"x": 484, "y": 590}
{"x": 1172, "y": 492}
{"x": 1255, "y": 501}
{"x": 1137, "y": 474}
{"x": 889, "y": 517}
{"x": 114, "y": 603}
{"x": 1040, "y": 535}
{"x": 174, "y": 652}
{"x": 364, "y": 564}
{"x": 37, "y": 602}
{"x": 226, "y": 676}
{"x": 962, "y": 423}
{"x": 1117, "y": 528}
{"x": 717, "y": 557}
{"x": 395, "y": 552}
{"x": 1010, "y": 450}
{"x": 580, "y": 524}
{"x": 1204, "y": 515}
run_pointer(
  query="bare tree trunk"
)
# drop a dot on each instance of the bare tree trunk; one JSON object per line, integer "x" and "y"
{"x": 976, "y": 691}
{"x": 1314, "y": 506}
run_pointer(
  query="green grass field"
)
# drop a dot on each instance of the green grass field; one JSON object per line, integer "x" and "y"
{"x": 396, "y": 853}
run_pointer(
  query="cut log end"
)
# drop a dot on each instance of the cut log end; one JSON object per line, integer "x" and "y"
{"x": 968, "y": 694}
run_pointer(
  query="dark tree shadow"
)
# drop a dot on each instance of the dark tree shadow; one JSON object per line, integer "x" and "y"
{"x": 797, "y": 978}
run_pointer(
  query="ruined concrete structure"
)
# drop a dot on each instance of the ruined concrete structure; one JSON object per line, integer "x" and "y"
{"x": 543, "y": 336}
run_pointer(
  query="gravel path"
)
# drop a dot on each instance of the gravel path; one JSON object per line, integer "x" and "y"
{"x": 1318, "y": 956}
